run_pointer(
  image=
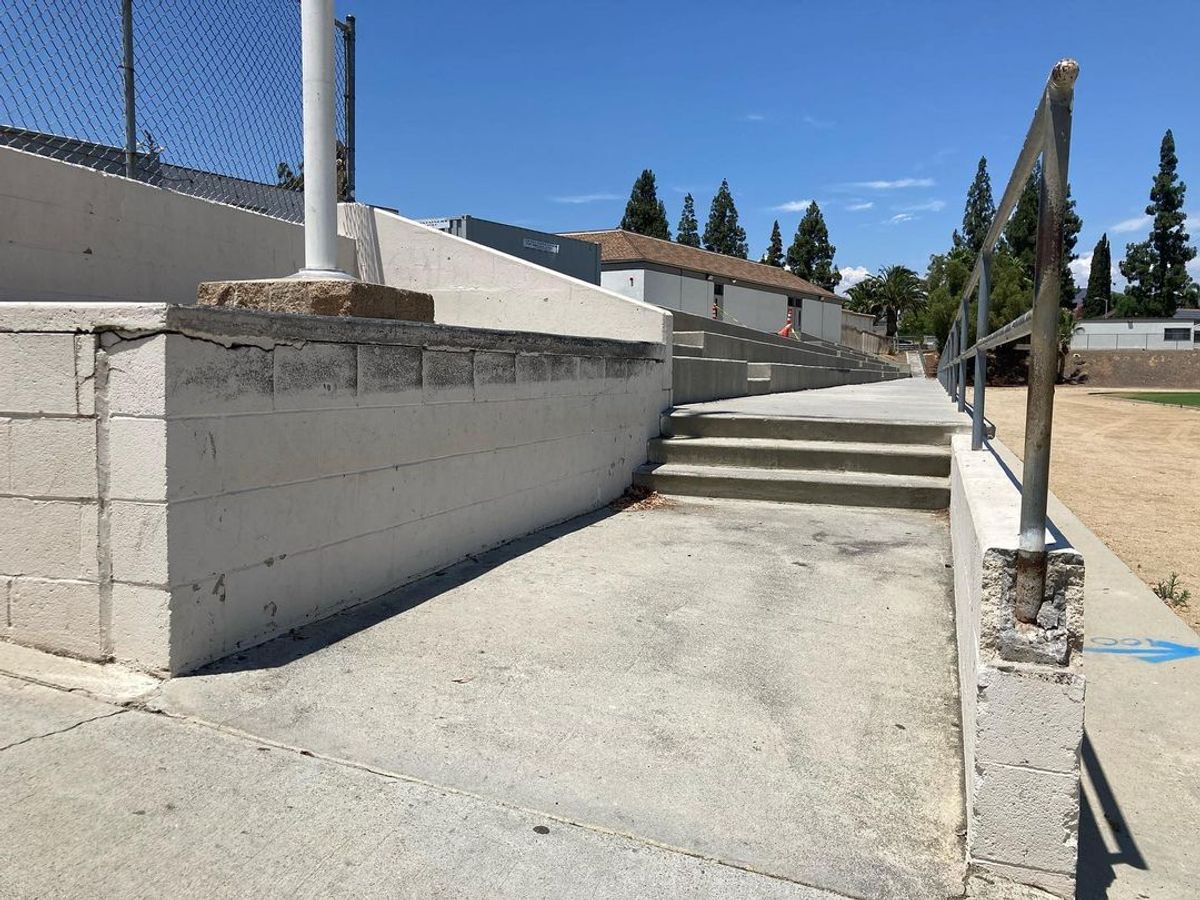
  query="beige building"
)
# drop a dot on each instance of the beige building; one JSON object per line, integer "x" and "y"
{"x": 699, "y": 281}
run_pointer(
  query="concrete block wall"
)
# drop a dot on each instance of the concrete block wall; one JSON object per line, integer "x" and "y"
{"x": 1022, "y": 687}
{"x": 186, "y": 482}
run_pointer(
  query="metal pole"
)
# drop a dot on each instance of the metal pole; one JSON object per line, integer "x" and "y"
{"x": 127, "y": 67}
{"x": 1043, "y": 339}
{"x": 320, "y": 142}
{"x": 981, "y": 329}
{"x": 962, "y": 348}
{"x": 349, "y": 35}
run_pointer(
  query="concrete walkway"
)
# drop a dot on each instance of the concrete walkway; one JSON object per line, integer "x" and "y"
{"x": 906, "y": 400}
{"x": 706, "y": 699}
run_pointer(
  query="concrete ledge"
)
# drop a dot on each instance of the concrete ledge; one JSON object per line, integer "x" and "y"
{"x": 697, "y": 380}
{"x": 1022, "y": 686}
{"x": 320, "y": 297}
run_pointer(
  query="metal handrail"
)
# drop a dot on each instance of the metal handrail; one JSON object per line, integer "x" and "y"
{"x": 1049, "y": 137}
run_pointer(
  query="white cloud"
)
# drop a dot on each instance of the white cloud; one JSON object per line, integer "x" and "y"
{"x": 792, "y": 206}
{"x": 1128, "y": 225}
{"x": 883, "y": 185}
{"x": 1081, "y": 268}
{"x": 586, "y": 198}
{"x": 899, "y": 218}
{"x": 818, "y": 123}
{"x": 852, "y": 275}
{"x": 754, "y": 117}
{"x": 927, "y": 206}
{"x": 858, "y": 207}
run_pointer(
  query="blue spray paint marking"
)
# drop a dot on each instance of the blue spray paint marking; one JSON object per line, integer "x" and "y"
{"x": 1146, "y": 649}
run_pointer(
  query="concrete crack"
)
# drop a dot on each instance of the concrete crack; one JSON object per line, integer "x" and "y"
{"x": 492, "y": 801}
{"x": 38, "y": 737}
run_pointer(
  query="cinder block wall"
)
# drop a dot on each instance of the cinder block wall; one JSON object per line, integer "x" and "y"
{"x": 1022, "y": 688}
{"x": 224, "y": 476}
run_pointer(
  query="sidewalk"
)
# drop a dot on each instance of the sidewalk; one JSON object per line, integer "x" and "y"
{"x": 706, "y": 699}
{"x": 1141, "y": 756}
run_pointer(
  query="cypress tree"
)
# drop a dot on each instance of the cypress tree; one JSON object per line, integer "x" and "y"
{"x": 1021, "y": 235}
{"x": 689, "y": 228}
{"x": 645, "y": 213}
{"x": 1156, "y": 268}
{"x": 979, "y": 210}
{"x": 1099, "y": 287}
{"x": 811, "y": 255}
{"x": 723, "y": 234}
{"x": 774, "y": 254}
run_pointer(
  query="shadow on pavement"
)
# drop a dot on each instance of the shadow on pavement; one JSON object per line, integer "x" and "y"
{"x": 305, "y": 639}
{"x": 1095, "y": 871}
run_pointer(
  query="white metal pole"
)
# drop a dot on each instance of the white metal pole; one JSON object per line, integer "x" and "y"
{"x": 320, "y": 151}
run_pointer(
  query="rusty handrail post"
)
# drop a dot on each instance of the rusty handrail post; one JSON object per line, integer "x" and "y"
{"x": 1043, "y": 338}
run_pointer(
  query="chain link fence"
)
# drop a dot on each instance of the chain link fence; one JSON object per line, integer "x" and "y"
{"x": 215, "y": 106}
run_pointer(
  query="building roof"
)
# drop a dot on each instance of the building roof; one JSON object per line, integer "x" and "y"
{"x": 618, "y": 246}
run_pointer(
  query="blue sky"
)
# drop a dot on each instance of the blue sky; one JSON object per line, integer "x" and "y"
{"x": 543, "y": 113}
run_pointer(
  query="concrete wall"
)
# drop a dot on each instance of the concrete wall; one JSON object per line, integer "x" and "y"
{"x": 477, "y": 287}
{"x": 1132, "y": 334}
{"x": 1135, "y": 368}
{"x": 1022, "y": 687}
{"x": 677, "y": 291}
{"x": 73, "y": 233}
{"x": 182, "y": 482}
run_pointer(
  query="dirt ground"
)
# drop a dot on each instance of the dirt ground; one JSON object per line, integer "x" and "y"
{"x": 1127, "y": 469}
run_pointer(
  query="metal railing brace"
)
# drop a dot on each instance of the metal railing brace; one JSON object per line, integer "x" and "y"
{"x": 1049, "y": 137}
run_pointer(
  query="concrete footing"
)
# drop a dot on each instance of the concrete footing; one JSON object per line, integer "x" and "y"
{"x": 319, "y": 297}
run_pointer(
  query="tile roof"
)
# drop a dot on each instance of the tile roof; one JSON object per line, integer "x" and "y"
{"x": 625, "y": 246}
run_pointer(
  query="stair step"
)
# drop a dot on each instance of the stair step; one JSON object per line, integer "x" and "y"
{"x": 732, "y": 425}
{"x": 840, "y": 456}
{"x": 758, "y": 385}
{"x": 797, "y": 486}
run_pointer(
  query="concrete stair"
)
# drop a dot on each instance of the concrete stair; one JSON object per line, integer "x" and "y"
{"x": 798, "y": 460}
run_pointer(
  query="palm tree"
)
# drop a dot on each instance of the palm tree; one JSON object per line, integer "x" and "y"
{"x": 896, "y": 290}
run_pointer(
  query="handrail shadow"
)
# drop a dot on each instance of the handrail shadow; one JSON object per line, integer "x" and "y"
{"x": 1095, "y": 869}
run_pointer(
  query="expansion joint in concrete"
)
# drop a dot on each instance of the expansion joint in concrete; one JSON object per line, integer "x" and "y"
{"x": 104, "y": 565}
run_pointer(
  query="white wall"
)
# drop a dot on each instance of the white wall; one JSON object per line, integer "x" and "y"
{"x": 821, "y": 319}
{"x": 72, "y": 233}
{"x": 1099, "y": 334}
{"x": 476, "y": 286}
{"x": 626, "y": 282}
{"x": 754, "y": 308}
{"x": 258, "y": 471}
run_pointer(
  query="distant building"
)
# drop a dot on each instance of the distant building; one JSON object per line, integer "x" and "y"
{"x": 698, "y": 281}
{"x": 1179, "y": 333}
{"x": 579, "y": 259}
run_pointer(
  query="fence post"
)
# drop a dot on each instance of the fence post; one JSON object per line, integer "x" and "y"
{"x": 962, "y": 348}
{"x": 349, "y": 36}
{"x": 981, "y": 329}
{"x": 1043, "y": 340}
{"x": 127, "y": 67}
{"x": 320, "y": 142}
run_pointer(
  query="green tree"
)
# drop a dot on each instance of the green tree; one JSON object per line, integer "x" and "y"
{"x": 1099, "y": 287}
{"x": 811, "y": 255}
{"x": 1020, "y": 233}
{"x": 645, "y": 213}
{"x": 979, "y": 211}
{"x": 723, "y": 234}
{"x": 293, "y": 179}
{"x": 1156, "y": 268}
{"x": 689, "y": 228}
{"x": 894, "y": 292}
{"x": 774, "y": 254}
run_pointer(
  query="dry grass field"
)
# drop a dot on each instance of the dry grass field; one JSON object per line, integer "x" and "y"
{"x": 1128, "y": 470}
